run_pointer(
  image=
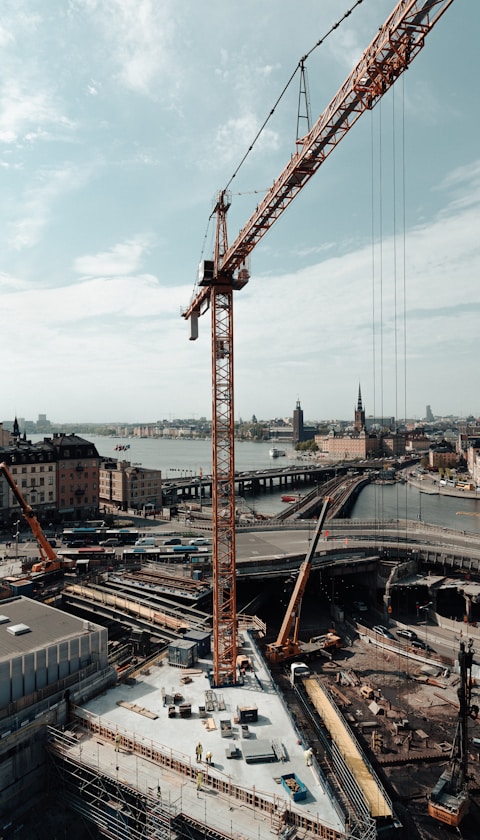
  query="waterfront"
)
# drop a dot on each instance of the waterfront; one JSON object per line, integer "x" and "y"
{"x": 185, "y": 457}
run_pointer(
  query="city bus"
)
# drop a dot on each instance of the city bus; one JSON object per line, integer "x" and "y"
{"x": 93, "y": 536}
{"x": 92, "y": 555}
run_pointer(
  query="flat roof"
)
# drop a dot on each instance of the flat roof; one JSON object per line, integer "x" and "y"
{"x": 46, "y": 624}
{"x": 254, "y": 757}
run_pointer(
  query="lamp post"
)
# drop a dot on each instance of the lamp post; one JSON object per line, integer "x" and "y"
{"x": 424, "y": 608}
{"x": 17, "y": 524}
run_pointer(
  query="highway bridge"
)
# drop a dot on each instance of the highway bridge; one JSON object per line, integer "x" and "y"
{"x": 292, "y": 478}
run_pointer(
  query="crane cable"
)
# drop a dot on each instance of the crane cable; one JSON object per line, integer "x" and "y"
{"x": 280, "y": 97}
{"x": 270, "y": 115}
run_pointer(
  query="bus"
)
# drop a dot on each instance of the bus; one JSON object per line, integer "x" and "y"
{"x": 163, "y": 554}
{"x": 92, "y": 555}
{"x": 93, "y": 536}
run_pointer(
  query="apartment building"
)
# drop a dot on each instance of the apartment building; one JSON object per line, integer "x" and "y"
{"x": 124, "y": 486}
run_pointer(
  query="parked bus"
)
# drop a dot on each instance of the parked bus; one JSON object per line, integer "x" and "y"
{"x": 93, "y": 536}
{"x": 93, "y": 555}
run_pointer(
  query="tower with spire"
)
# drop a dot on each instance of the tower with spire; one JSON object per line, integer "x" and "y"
{"x": 359, "y": 421}
{"x": 298, "y": 433}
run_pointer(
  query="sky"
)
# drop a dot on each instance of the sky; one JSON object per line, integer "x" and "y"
{"x": 119, "y": 122}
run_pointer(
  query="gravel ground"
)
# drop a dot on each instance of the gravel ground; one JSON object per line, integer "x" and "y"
{"x": 431, "y": 711}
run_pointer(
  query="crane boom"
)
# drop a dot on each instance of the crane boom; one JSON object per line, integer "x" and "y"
{"x": 287, "y": 640}
{"x": 392, "y": 50}
{"x": 50, "y": 561}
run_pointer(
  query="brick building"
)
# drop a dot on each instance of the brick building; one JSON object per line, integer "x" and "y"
{"x": 127, "y": 487}
{"x": 57, "y": 477}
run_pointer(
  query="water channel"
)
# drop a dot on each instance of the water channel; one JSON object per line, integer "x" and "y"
{"x": 178, "y": 458}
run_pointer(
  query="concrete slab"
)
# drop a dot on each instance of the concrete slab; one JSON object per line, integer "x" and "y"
{"x": 271, "y": 739}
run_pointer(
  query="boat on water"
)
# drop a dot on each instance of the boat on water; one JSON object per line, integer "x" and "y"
{"x": 276, "y": 453}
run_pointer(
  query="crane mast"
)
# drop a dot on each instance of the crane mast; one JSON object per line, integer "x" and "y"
{"x": 392, "y": 50}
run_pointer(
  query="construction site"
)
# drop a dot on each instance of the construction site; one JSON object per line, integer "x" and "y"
{"x": 205, "y": 721}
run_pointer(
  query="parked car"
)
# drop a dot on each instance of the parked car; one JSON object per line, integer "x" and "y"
{"x": 77, "y": 544}
{"x": 110, "y": 543}
{"x": 360, "y": 606}
{"x": 407, "y": 634}
{"x": 382, "y": 631}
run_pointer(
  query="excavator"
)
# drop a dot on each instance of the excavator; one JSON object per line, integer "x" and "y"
{"x": 287, "y": 646}
{"x": 49, "y": 562}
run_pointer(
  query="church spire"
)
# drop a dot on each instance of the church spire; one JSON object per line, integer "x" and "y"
{"x": 359, "y": 403}
{"x": 359, "y": 421}
{"x": 16, "y": 429}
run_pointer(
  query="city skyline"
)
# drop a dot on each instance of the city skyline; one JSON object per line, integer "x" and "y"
{"x": 119, "y": 122}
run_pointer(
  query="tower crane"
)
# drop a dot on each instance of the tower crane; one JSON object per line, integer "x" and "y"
{"x": 393, "y": 49}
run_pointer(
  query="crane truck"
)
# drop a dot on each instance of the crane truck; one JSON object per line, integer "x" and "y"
{"x": 49, "y": 559}
{"x": 287, "y": 645}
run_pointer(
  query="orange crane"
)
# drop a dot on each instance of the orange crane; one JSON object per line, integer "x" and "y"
{"x": 50, "y": 562}
{"x": 392, "y": 50}
{"x": 287, "y": 644}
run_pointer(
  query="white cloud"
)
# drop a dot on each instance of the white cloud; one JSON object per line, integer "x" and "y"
{"x": 124, "y": 258}
{"x": 35, "y": 206}
{"x": 28, "y": 113}
{"x": 140, "y": 34}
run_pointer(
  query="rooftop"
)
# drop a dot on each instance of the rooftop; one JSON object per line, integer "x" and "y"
{"x": 160, "y": 718}
{"x": 46, "y": 626}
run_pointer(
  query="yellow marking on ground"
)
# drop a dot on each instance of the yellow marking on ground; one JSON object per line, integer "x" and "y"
{"x": 377, "y": 803}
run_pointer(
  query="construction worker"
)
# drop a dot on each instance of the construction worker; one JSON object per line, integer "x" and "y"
{"x": 118, "y": 741}
{"x": 308, "y": 756}
{"x": 208, "y": 757}
{"x": 199, "y": 751}
{"x": 199, "y": 781}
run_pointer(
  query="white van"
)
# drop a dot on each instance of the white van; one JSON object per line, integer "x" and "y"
{"x": 146, "y": 541}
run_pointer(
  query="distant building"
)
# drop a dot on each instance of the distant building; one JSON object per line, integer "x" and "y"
{"x": 127, "y": 487}
{"x": 442, "y": 455}
{"x": 357, "y": 445}
{"x": 58, "y": 477}
{"x": 297, "y": 436}
{"x": 473, "y": 459}
{"x": 351, "y": 447}
{"x": 429, "y": 415}
{"x": 359, "y": 419}
{"x": 5, "y": 436}
{"x": 294, "y": 431}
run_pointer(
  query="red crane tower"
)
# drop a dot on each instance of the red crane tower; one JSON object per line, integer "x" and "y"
{"x": 392, "y": 50}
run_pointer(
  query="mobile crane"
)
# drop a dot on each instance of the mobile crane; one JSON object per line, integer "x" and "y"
{"x": 287, "y": 645}
{"x": 50, "y": 561}
{"x": 391, "y": 52}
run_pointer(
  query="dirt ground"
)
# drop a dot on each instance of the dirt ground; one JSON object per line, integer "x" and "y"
{"x": 415, "y": 724}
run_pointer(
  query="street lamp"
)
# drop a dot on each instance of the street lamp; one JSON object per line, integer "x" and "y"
{"x": 17, "y": 524}
{"x": 424, "y": 608}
